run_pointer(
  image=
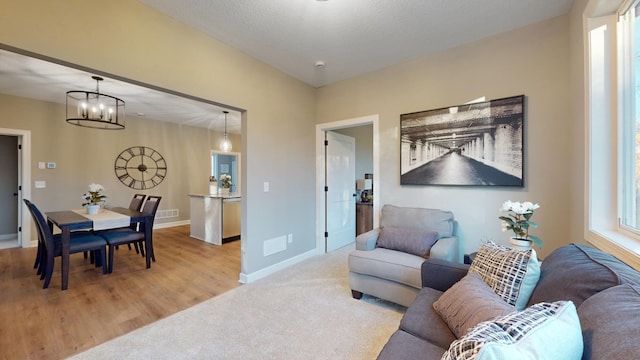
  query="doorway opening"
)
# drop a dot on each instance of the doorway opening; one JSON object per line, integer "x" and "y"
{"x": 21, "y": 138}
{"x": 321, "y": 172}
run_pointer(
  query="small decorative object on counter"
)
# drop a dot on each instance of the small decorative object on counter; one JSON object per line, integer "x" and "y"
{"x": 93, "y": 198}
{"x": 213, "y": 185}
{"x": 225, "y": 184}
{"x": 519, "y": 221}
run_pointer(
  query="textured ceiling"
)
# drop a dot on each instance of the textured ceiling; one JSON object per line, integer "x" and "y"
{"x": 352, "y": 37}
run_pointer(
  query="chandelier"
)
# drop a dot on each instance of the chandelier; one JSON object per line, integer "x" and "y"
{"x": 95, "y": 110}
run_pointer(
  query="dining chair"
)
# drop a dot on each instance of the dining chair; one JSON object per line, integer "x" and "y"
{"x": 136, "y": 204}
{"x": 52, "y": 244}
{"x": 131, "y": 235}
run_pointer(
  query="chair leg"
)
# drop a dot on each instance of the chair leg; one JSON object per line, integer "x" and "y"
{"x": 38, "y": 256}
{"x": 141, "y": 246}
{"x": 103, "y": 256}
{"x": 111, "y": 249}
{"x": 135, "y": 245}
{"x": 48, "y": 273}
{"x": 356, "y": 294}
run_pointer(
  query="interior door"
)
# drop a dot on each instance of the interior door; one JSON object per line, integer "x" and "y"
{"x": 9, "y": 191}
{"x": 340, "y": 195}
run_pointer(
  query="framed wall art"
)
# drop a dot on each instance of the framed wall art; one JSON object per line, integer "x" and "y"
{"x": 476, "y": 144}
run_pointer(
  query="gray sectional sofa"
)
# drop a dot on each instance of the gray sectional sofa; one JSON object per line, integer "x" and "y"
{"x": 604, "y": 290}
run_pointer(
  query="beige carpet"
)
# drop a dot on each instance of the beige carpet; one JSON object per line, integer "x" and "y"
{"x": 303, "y": 312}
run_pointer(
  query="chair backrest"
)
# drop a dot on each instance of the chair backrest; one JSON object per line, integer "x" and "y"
{"x": 35, "y": 220}
{"x": 418, "y": 218}
{"x": 44, "y": 233}
{"x": 137, "y": 201}
{"x": 151, "y": 206}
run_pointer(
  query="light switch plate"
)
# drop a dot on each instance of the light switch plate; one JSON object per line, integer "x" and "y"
{"x": 41, "y": 165}
{"x": 266, "y": 186}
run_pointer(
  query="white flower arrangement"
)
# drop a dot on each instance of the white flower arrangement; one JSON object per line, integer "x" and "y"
{"x": 94, "y": 195}
{"x": 519, "y": 220}
{"x": 225, "y": 181}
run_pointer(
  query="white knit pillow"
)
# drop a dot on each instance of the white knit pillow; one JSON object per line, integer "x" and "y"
{"x": 512, "y": 274}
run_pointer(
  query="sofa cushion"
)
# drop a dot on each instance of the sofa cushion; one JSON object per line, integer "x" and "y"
{"x": 388, "y": 264}
{"x": 542, "y": 331}
{"x": 402, "y": 345}
{"x": 417, "y": 218}
{"x": 413, "y": 241}
{"x": 576, "y": 272}
{"x": 512, "y": 274}
{"x": 423, "y": 321}
{"x": 610, "y": 326}
{"x": 468, "y": 303}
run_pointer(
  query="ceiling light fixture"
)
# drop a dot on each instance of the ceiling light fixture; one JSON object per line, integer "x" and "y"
{"x": 95, "y": 110}
{"x": 225, "y": 144}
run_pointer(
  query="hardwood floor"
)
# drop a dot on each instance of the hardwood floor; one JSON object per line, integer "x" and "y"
{"x": 38, "y": 323}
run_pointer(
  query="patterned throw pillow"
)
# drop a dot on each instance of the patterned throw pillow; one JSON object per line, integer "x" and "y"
{"x": 469, "y": 302}
{"x": 542, "y": 331}
{"x": 512, "y": 274}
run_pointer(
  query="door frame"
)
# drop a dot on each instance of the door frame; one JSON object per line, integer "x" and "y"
{"x": 24, "y": 180}
{"x": 320, "y": 170}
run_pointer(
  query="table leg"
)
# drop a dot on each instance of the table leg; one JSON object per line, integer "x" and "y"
{"x": 66, "y": 240}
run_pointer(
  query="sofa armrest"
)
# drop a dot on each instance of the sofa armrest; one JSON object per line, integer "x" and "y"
{"x": 367, "y": 240}
{"x": 441, "y": 274}
{"x": 446, "y": 249}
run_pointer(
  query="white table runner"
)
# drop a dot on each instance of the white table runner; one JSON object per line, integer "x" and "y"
{"x": 106, "y": 219}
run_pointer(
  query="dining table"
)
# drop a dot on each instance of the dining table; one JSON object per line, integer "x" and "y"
{"x": 70, "y": 220}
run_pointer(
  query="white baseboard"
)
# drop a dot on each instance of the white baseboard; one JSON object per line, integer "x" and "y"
{"x": 171, "y": 224}
{"x": 8, "y": 236}
{"x": 247, "y": 278}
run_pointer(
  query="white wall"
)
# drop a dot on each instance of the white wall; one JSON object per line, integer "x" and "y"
{"x": 533, "y": 61}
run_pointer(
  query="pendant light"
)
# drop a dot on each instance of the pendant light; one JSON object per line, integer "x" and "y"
{"x": 225, "y": 144}
{"x": 95, "y": 110}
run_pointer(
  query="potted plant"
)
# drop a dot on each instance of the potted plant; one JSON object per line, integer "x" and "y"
{"x": 225, "y": 183}
{"x": 93, "y": 198}
{"x": 519, "y": 221}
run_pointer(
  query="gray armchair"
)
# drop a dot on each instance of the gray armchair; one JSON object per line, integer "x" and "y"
{"x": 395, "y": 275}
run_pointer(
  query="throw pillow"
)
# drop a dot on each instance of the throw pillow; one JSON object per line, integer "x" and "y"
{"x": 512, "y": 274}
{"x": 468, "y": 302}
{"x": 412, "y": 241}
{"x": 542, "y": 331}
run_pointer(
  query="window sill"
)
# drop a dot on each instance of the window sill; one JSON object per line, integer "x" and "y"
{"x": 617, "y": 244}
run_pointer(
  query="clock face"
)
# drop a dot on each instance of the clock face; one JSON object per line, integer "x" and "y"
{"x": 140, "y": 167}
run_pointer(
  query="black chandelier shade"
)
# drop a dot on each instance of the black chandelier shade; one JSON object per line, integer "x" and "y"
{"x": 95, "y": 110}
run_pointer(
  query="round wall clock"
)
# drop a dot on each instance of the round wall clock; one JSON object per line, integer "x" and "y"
{"x": 140, "y": 167}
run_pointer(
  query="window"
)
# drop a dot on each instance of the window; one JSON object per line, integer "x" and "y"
{"x": 226, "y": 164}
{"x": 630, "y": 118}
{"x": 613, "y": 172}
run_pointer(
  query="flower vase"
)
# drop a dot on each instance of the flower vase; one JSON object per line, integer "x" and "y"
{"x": 213, "y": 188}
{"x": 224, "y": 191}
{"x": 520, "y": 244}
{"x": 93, "y": 209}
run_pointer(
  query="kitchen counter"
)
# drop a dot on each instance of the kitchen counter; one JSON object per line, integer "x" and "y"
{"x": 209, "y": 222}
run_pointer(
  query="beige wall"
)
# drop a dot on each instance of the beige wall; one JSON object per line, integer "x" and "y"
{"x": 125, "y": 38}
{"x": 533, "y": 61}
{"x": 85, "y": 156}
